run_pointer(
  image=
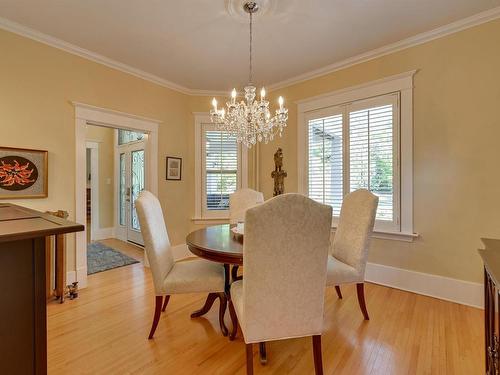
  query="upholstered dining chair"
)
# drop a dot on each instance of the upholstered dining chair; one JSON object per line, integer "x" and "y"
{"x": 170, "y": 277}
{"x": 285, "y": 253}
{"x": 240, "y": 201}
{"x": 349, "y": 252}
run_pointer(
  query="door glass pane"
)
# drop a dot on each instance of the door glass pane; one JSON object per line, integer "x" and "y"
{"x": 122, "y": 197}
{"x": 126, "y": 136}
{"x": 137, "y": 167}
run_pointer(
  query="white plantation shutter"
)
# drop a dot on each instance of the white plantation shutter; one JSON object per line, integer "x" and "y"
{"x": 355, "y": 146}
{"x": 373, "y": 152}
{"x": 220, "y": 168}
{"x": 325, "y": 161}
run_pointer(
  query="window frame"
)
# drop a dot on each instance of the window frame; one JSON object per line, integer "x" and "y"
{"x": 202, "y": 214}
{"x": 402, "y": 84}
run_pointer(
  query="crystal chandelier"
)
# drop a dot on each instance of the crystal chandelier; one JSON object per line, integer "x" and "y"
{"x": 250, "y": 121}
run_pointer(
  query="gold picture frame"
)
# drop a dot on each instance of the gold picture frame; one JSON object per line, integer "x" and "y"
{"x": 23, "y": 173}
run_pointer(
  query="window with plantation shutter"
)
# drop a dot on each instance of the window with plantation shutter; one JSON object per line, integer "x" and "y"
{"x": 361, "y": 137}
{"x": 220, "y": 169}
{"x": 325, "y": 161}
{"x": 373, "y": 151}
{"x": 355, "y": 146}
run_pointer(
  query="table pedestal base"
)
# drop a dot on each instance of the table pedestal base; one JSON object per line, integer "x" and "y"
{"x": 208, "y": 305}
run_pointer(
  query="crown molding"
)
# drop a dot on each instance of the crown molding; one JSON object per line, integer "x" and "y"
{"x": 402, "y": 81}
{"x": 198, "y": 92}
{"x": 415, "y": 40}
{"x": 30, "y": 33}
{"x": 424, "y": 37}
{"x": 33, "y": 34}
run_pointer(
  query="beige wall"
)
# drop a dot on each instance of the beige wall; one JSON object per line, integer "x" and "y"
{"x": 456, "y": 152}
{"x": 106, "y": 164}
{"x": 37, "y": 84}
{"x": 456, "y": 132}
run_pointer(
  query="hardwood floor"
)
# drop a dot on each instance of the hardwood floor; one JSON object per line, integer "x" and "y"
{"x": 105, "y": 332}
{"x": 126, "y": 248}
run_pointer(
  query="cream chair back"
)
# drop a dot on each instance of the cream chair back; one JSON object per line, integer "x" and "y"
{"x": 156, "y": 241}
{"x": 352, "y": 237}
{"x": 240, "y": 201}
{"x": 285, "y": 257}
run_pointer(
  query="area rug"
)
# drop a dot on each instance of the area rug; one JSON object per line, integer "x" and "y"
{"x": 102, "y": 258}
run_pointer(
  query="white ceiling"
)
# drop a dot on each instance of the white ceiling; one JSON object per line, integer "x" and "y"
{"x": 203, "y": 44}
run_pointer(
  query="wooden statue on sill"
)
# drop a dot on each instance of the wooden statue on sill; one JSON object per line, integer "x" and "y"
{"x": 278, "y": 174}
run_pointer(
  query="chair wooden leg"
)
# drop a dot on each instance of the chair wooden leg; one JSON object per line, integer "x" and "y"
{"x": 234, "y": 320}
{"x": 234, "y": 273}
{"x": 207, "y": 306}
{"x": 339, "y": 293}
{"x": 262, "y": 353}
{"x": 318, "y": 358}
{"x": 249, "y": 349}
{"x": 222, "y": 312}
{"x": 360, "y": 287}
{"x": 165, "y": 303}
{"x": 156, "y": 318}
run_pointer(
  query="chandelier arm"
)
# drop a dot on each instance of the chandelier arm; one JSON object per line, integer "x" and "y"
{"x": 251, "y": 121}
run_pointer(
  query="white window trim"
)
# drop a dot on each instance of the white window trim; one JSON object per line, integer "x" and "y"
{"x": 201, "y": 118}
{"x": 402, "y": 83}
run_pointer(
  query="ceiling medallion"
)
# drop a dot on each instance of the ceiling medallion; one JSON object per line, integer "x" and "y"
{"x": 250, "y": 121}
{"x": 267, "y": 8}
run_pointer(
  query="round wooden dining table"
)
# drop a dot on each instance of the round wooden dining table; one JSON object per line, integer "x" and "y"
{"x": 216, "y": 243}
{"x": 219, "y": 244}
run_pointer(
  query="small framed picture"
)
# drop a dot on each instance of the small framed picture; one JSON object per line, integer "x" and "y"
{"x": 174, "y": 168}
{"x": 23, "y": 173}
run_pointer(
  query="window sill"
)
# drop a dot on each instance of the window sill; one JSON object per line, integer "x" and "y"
{"x": 210, "y": 220}
{"x": 394, "y": 236}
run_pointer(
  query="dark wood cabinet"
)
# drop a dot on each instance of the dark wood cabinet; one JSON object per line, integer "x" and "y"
{"x": 491, "y": 259}
{"x": 23, "y": 311}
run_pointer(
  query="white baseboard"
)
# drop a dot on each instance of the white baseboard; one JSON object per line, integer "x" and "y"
{"x": 70, "y": 277}
{"x": 103, "y": 233}
{"x": 82, "y": 280}
{"x": 181, "y": 252}
{"x": 445, "y": 288}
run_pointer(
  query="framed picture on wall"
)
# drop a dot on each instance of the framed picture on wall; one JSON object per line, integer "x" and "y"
{"x": 23, "y": 173}
{"x": 174, "y": 168}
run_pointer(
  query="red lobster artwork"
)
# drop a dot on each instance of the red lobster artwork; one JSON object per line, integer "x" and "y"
{"x": 15, "y": 174}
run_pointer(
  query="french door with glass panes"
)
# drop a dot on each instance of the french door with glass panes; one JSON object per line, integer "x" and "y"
{"x": 131, "y": 179}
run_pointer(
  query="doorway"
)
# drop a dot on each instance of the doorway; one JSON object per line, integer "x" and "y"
{"x": 147, "y": 155}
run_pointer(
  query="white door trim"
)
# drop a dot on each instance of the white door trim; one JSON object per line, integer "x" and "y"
{"x": 94, "y": 186}
{"x": 87, "y": 114}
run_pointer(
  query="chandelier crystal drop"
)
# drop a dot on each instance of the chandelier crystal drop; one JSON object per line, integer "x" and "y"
{"x": 250, "y": 120}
